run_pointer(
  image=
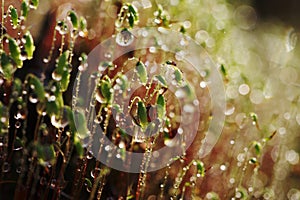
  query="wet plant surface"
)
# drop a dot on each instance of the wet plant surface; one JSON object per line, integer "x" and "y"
{"x": 147, "y": 100}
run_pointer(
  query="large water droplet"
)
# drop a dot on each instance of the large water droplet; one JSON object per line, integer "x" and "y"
{"x": 56, "y": 76}
{"x": 245, "y": 17}
{"x": 124, "y": 38}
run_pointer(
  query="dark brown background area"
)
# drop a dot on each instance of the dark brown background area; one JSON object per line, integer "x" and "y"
{"x": 287, "y": 11}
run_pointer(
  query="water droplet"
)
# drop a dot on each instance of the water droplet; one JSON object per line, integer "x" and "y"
{"x": 291, "y": 40}
{"x": 1, "y": 81}
{"x": 287, "y": 115}
{"x": 229, "y": 109}
{"x": 241, "y": 157}
{"x": 288, "y": 75}
{"x": 51, "y": 98}
{"x": 282, "y": 130}
{"x": 33, "y": 98}
{"x": 256, "y": 96}
{"x": 244, "y": 89}
{"x": 108, "y": 55}
{"x": 98, "y": 119}
{"x": 241, "y": 120}
{"x": 203, "y": 84}
{"x": 53, "y": 183}
{"x": 180, "y": 93}
{"x": 107, "y": 148}
{"x": 189, "y": 108}
{"x": 3, "y": 119}
{"x": 59, "y": 123}
{"x": 18, "y": 124}
{"x": 124, "y": 38}
{"x": 89, "y": 155}
{"x": 95, "y": 172}
{"x": 245, "y": 17}
{"x": 201, "y": 36}
{"x": 56, "y": 76}
{"x": 223, "y": 167}
{"x": 19, "y": 169}
{"x": 292, "y": 157}
{"x": 152, "y": 49}
{"x": 99, "y": 97}
{"x": 180, "y": 55}
{"x": 83, "y": 67}
{"x": 5, "y": 167}
{"x": 20, "y": 115}
{"x": 46, "y": 60}
{"x": 293, "y": 194}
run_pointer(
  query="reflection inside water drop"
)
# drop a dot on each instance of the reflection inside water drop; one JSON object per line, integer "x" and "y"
{"x": 124, "y": 38}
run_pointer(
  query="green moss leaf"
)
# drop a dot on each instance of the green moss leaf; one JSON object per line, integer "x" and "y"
{"x": 64, "y": 83}
{"x": 161, "y": 80}
{"x": 178, "y": 75}
{"x": 82, "y": 130}
{"x": 34, "y": 3}
{"x": 106, "y": 89}
{"x": 223, "y": 70}
{"x": 24, "y": 9}
{"x": 29, "y": 45}
{"x": 142, "y": 114}
{"x": 161, "y": 106}
{"x": 14, "y": 16}
{"x": 141, "y": 71}
{"x": 123, "y": 82}
{"x": 62, "y": 63}
{"x": 200, "y": 168}
{"x": 257, "y": 147}
{"x": 132, "y": 15}
{"x": 15, "y": 52}
{"x": 188, "y": 91}
{"x": 6, "y": 68}
{"x": 38, "y": 87}
{"x": 54, "y": 107}
{"x": 74, "y": 19}
{"x": 45, "y": 153}
{"x": 82, "y": 23}
{"x": 17, "y": 85}
{"x": 78, "y": 146}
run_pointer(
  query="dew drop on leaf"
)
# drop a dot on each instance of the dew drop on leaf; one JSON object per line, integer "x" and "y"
{"x": 124, "y": 38}
{"x": 56, "y": 76}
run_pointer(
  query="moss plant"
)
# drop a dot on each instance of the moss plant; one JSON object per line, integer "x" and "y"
{"x": 50, "y": 148}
